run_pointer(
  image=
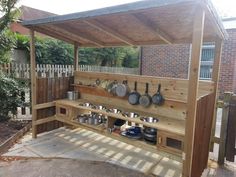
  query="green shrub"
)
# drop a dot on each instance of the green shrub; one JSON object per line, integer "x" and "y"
{"x": 10, "y": 96}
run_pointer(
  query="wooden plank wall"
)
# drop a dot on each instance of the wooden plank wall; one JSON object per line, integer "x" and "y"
{"x": 231, "y": 131}
{"x": 48, "y": 90}
{"x": 174, "y": 91}
{"x": 205, "y": 110}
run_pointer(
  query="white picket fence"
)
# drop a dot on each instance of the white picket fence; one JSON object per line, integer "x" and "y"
{"x": 21, "y": 70}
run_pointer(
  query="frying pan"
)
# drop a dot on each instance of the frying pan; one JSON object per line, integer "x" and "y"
{"x": 134, "y": 96}
{"x": 145, "y": 100}
{"x": 157, "y": 98}
{"x": 122, "y": 89}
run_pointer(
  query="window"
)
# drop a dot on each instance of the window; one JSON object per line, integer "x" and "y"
{"x": 208, "y": 51}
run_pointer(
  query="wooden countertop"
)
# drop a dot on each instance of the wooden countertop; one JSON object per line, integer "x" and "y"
{"x": 164, "y": 124}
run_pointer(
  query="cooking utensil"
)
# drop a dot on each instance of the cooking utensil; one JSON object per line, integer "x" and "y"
{"x": 134, "y": 96}
{"x": 145, "y": 100}
{"x": 130, "y": 114}
{"x": 119, "y": 122}
{"x": 104, "y": 84}
{"x": 116, "y": 111}
{"x": 157, "y": 98}
{"x": 99, "y": 107}
{"x": 98, "y": 82}
{"x": 96, "y": 121}
{"x": 111, "y": 87}
{"x": 82, "y": 118}
{"x": 149, "y": 119}
{"x": 75, "y": 95}
{"x": 70, "y": 95}
{"x": 150, "y": 138}
{"x": 91, "y": 119}
{"x": 86, "y": 104}
{"x": 122, "y": 89}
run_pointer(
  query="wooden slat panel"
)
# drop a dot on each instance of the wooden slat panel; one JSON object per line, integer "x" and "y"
{"x": 175, "y": 110}
{"x": 205, "y": 109}
{"x": 175, "y": 89}
{"x": 49, "y": 89}
{"x": 231, "y": 131}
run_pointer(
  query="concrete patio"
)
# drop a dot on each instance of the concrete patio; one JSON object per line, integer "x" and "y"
{"x": 82, "y": 144}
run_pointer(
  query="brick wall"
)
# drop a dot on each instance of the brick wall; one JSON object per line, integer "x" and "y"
{"x": 166, "y": 60}
{"x": 173, "y": 61}
{"x": 228, "y": 70}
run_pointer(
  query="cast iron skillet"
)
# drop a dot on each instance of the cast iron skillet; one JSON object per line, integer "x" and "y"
{"x": 145, "y": 100}
{"x": 158, "y": 99}
{"x": 134, "y": 96}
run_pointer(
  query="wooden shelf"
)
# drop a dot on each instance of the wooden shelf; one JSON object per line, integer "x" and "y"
{"x": 164, "y": 124}
{"x": 100, "y": 127}
{"x": 137, "y": 143}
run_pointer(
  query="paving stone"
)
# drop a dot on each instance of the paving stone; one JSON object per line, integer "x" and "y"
{"x": 65, "y": 168}
{"x": 51, "y": 147}
{"x": 82, "y": 155}
{"x": 136, "y": 158}
{"x": 168, "y": 168}
{"x": 21, "y": 152}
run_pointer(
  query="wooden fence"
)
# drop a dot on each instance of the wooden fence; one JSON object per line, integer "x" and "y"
{"x": 50, "y": 89}
{"x": 227, "y": 139}
{"x": 21, "y": 70}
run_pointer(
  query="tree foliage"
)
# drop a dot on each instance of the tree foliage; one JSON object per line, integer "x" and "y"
{"x": 48, "y": 50}
{"x": 7, "y": 43}
{"x": 7, "y": 8}
{"x": 114, "y": 56}
{"x": 10, "y": 96}
{"x": 9, "y": 12}
{"x": 52, "y": 51}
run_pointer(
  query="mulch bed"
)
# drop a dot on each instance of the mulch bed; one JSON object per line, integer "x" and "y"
{"x": 9, "y": 128}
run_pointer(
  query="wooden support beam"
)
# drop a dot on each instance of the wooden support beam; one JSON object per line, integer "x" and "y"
{"x": 44, "y": 105}
{"x": 215, "y": 78}
{"x": 153, "y": 27}
{"x": 33, "y": 83}
{"x": 198, "y": 29}
{"x": 74, "y": 33}
{"x": 76, "y": 57}
{"x": 96, "y": 24}
{"x": 44, "y": 120}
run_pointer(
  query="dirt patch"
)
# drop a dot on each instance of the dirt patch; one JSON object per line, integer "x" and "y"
{"x": 9, "y": 128}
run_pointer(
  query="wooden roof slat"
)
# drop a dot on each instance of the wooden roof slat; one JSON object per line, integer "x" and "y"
{"x": 96, "y": 24}
{"x": 78, "y": 35}
{"x": 153, "y": 27}
{"x": 142, "y": 22}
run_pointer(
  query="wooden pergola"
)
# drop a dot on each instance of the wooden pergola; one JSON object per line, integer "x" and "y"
{"x": 143, "y": 23}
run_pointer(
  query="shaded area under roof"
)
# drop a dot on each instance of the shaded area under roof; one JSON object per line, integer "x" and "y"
{"x": 145, "y": 22}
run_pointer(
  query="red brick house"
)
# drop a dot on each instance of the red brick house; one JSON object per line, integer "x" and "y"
{"x": 173, "y": 60}
{"x": 28, "y": 13}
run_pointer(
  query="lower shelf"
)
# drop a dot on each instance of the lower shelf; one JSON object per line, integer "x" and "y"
{"x": 137, "y": 143}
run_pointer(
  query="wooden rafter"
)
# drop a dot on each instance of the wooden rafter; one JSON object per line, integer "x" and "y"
{"x": 53, "y": 34}
{"x": 108, "y": 30}
{"x": 78, "y": 36}
{"x": 153, "y": 27}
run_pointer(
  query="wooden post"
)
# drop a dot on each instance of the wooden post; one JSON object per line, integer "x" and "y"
{"x": 76, "y": 57}
{"x": 197, "y": 39}
{"x": 33, "y": 83}
{"x": 215, "y": 78}
{"x": 223, "y": 129}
